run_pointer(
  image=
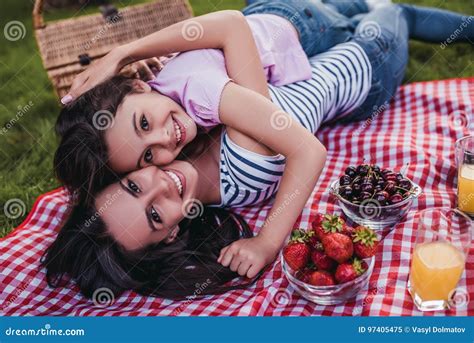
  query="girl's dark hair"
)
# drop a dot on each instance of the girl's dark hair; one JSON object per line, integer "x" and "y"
{"x": 80, "y": 161}
{"x": 86, "y": 252}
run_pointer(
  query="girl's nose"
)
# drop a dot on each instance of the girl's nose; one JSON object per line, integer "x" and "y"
{"x": 162, "y": 137}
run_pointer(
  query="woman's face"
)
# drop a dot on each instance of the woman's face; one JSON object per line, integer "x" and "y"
{"x": 148, "y": 129}
{"x": 147, "y": 205}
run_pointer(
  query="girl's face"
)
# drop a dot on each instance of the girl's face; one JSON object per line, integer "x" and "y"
{"x": 147, "y": 205}
{"x": 148, "y": 129}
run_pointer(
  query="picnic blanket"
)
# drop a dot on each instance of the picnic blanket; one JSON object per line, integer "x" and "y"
{"x": 418, "y": 128}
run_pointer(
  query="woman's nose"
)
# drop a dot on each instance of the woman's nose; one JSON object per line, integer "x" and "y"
{"x": 162, "y": 185}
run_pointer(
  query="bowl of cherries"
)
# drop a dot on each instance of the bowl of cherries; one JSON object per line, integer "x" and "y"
{"x": 374, "y": 197}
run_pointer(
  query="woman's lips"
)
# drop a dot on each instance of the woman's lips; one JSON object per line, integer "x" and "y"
{"x": 182, "y": 179}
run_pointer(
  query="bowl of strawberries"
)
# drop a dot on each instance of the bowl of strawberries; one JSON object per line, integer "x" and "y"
{"x": 331, "y": 262}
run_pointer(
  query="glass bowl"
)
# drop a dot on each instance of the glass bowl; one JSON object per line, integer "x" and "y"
{"x": 328, "y": 295}
{"x": 370, "y": 213}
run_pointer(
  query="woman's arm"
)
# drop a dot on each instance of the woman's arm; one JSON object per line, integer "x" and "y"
{"x": 226, "y": 30}
{"x": 257, "y": 117}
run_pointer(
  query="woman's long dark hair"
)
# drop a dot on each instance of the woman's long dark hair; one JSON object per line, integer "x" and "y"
{"x": 86, "y": 252}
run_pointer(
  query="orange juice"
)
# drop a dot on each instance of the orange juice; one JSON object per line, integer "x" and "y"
{"x": 466, "y": 188}
{"x": 435, "y": 270}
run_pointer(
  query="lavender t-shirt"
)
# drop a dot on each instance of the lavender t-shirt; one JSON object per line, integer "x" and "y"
{"x": 195, "y": 79}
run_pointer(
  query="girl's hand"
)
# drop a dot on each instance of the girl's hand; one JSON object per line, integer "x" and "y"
{"x": 99, "y": 71}
{"x": 248, "y": 256}
{"x": 144, "y": 70}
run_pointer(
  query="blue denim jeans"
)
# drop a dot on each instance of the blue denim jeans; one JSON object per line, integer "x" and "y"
{"x": 320, "y": 25}
{"x": 384, "y": 35}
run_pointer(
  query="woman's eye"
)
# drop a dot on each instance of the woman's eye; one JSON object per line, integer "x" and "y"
{"x": 133, "y": 186}
{"x": 148, "y": 157}
{"x": 144, "y": 123}
{"x": 155, "y": 216}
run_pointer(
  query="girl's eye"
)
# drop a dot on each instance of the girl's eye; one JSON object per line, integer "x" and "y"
{"x": 133, "y": 186}
{"x": 148, "y": 157}
{"x": 155, "y": 216}
{"x": 144, "y": 123}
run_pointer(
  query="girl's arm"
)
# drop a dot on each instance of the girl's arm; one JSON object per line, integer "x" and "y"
{"x": 225, "y": 30}
{"x": 305, "y": 158}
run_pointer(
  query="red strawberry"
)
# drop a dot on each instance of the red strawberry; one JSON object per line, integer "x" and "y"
{"x": 327, "y": 224}
{"x": 349, "y": 271}
{"x": 297, "y": 252}
{"x": 365, "y": 242}
{"x": 313, "y": 241}
{"x": 318, "y": 220}
{"x": 321, "y": 278}
{"x": 322, "y": 261}
{"x": 339, "y": 247}
{"x": 304, "y": 274}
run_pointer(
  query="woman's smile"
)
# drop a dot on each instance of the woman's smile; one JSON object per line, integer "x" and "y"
{"x": 179, "y": 180}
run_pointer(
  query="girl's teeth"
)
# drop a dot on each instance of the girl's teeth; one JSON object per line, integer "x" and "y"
{"x": 178, "y": 132}
{"x": 176, "y": 180}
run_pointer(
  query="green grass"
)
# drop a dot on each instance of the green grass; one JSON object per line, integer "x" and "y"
{"x": 28, "y": 106}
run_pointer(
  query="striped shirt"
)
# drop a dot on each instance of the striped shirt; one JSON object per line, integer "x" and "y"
{"x": 340, "y": 82}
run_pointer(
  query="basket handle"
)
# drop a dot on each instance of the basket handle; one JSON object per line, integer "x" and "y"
{"x": 38, "y": 21}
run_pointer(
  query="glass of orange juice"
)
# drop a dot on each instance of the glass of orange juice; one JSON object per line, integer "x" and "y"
{"x": 443, "y": 239}
{"x": 465, "y": 163}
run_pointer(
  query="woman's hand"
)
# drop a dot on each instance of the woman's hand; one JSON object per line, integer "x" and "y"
{"x": 248, "y": 256}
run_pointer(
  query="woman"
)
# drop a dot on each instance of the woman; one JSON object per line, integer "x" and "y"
{"x": 334, "y": 94}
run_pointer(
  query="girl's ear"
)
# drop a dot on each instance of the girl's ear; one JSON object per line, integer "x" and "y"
{"x": 172, "y": 235}
{"x": 141, "y": 86}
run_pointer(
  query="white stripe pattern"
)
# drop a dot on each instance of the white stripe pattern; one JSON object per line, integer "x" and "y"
{"x": 340, "y": 82}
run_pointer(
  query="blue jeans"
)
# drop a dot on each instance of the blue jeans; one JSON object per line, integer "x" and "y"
{"x": 320, "y": 25}
{"x": 384, "y": 35}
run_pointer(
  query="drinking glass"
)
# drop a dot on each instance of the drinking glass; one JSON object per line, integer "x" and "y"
{"x": 465, "y": 165}
{"x": 443, "y": 239}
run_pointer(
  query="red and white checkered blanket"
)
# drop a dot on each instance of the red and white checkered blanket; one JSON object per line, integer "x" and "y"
{"x": 419, "y": 128}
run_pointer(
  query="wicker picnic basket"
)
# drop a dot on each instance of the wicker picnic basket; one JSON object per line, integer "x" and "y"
{"x": 68, "y": 46}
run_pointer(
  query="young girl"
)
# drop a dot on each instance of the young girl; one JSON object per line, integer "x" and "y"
{"x": 357, "y": 73}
